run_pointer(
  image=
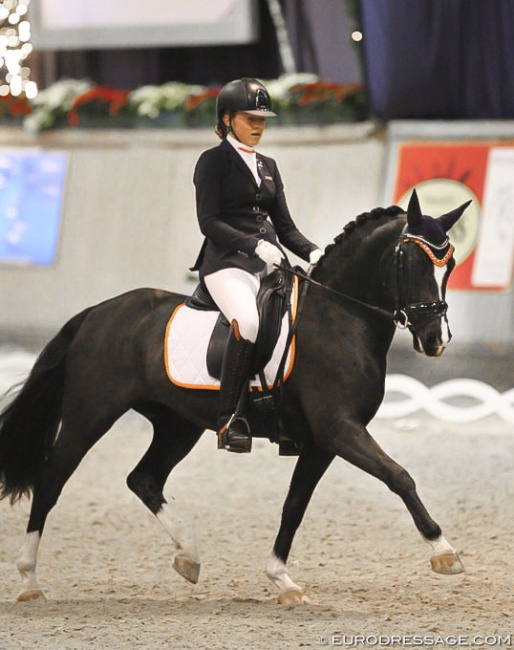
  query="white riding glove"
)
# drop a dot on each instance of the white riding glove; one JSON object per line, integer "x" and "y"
{"x": 269, "y": 253}
{"x": 314, "y": 257}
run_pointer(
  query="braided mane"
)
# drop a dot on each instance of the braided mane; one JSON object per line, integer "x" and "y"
{"x": 360, "y": 221}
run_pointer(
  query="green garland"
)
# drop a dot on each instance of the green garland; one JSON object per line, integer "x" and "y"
{"x": 298, "y": 98}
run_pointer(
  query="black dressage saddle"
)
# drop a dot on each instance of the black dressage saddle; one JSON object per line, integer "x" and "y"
{"x": 273, "y": 301}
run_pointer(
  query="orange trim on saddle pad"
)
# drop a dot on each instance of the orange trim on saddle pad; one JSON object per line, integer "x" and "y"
{"x": 215, "y": 385}
{"x": 435, "y": 260}
{"x": 237, "y": 333}
{"x": 166, "y": 357}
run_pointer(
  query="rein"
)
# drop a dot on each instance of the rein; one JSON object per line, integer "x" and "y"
{"x": 401, "y": 316}
{"x": 337, "y": 295}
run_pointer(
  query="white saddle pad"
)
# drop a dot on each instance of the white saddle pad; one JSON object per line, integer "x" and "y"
{"x": 185, "y": 349}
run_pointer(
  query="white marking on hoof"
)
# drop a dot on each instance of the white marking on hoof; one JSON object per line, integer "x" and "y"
{"x": 32, "y": 594}
{"x": 27, "y": 567}
{"x": 187, "y": 568}
{"x": 182, "y": 535}
{"x": 276, "y": 571}
{"x": 445, "y": 559}
{"x": 447, "y": 563}
{"x": 293, "y": 597}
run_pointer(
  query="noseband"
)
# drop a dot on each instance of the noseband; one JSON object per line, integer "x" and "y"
{"x": 405, "y": 314}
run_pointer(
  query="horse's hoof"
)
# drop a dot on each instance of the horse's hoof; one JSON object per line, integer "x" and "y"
{"x": 447, "y": 563}
{"x": 292, "y": 597}
{"x": 187, "y": 568}
{"x": 31, "y": 594}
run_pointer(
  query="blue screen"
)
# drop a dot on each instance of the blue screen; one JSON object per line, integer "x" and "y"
{"x": 31, "y": 194}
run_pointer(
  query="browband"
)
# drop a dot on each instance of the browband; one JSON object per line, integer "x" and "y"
{"x": 428, "y": 243}
{"x": 428, "y": 248}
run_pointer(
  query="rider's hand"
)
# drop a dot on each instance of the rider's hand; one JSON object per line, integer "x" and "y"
{"x": 314, "y": 257}
{"x": 269, "y": 253}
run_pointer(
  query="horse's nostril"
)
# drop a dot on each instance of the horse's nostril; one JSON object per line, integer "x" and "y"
{"x": 434, "y": 346}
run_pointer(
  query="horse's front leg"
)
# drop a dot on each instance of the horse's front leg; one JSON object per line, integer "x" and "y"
{"x": 310, "y": 467}
{"x": 355, "y": 444}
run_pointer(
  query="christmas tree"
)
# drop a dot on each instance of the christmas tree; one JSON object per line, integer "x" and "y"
{"x": 15, "y": 49}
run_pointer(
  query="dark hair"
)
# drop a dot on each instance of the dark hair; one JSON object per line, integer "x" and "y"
{"x": 221, "y": 129}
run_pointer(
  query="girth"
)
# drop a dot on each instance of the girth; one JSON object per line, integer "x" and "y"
{"x": 273, "y": 300}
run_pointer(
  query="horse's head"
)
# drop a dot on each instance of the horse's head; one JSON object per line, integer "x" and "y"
{"x": 424, "y": 261}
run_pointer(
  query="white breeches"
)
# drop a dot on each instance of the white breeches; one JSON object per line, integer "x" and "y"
{"x": 235, "y": 293}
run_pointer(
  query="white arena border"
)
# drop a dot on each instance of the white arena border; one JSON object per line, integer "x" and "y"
{"x": 485, "y": 399}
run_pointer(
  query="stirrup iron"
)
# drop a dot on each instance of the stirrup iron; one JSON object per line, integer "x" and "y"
{"x": 235, "y": 435}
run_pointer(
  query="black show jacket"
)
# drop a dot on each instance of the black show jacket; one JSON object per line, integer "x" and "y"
{"x": 234, "y": 212}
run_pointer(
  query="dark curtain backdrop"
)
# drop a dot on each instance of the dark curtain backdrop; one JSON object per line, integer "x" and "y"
{"x": 320, "y": 36}
{"x": 446, "y": 59}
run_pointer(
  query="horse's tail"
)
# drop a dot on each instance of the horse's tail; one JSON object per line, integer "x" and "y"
{"x": 29, "y": 424}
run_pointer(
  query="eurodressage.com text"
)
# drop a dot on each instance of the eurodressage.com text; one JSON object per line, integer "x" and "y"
{"x": 416, "y": 641}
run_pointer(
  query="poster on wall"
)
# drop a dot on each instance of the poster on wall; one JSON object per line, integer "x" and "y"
{"x": 31, "y": 194}
{"x": 446, "y": 174}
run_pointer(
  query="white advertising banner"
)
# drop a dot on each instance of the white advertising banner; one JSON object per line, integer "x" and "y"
{"x": 75, "y": 24}
{"x": 494, "y": 258}
{"x": 115, "y": 13}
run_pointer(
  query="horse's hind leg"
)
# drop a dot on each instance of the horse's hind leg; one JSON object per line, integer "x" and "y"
{"x": 173, "y": 439}
{"x": 73, "y": 443}
{"x": 359, "y": 448}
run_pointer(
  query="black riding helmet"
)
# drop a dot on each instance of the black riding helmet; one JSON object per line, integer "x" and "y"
{"x": 247, "y": 95}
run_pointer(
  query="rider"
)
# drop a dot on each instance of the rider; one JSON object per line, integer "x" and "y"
{"x": 242, "y": 212}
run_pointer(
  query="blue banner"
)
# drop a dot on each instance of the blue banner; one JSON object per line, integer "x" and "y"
{"x": 31, "y": 194}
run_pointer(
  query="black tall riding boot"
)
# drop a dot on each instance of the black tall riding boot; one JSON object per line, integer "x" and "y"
{"x": 233, "y": 429}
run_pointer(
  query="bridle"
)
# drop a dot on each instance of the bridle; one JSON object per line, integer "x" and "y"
{"x": 405, "y": 315}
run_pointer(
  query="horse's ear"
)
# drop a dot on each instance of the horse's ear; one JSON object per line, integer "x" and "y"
{"x": 450, "y": 218}
{"x": 414, "y": 215}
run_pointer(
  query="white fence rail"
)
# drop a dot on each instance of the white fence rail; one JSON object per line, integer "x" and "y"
{"x": 455, "y": 400}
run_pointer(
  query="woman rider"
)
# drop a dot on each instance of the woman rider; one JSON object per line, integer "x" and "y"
{"x": 243, "y": 214}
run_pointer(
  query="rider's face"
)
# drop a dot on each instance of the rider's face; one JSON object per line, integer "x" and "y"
{"x": 247, "y": 128}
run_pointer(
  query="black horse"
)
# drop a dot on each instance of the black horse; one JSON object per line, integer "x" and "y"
{"x": 386, "y": 268}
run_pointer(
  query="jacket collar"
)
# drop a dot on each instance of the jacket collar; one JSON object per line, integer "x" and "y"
{"x": 240, "y": 163}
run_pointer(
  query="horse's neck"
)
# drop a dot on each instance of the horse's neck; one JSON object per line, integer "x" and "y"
{"x": 353, "y": 267}
{"x": 356, "y": 265}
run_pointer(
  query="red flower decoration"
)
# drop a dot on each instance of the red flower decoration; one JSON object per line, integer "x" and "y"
{"x": 15, "y": 106}
{"x": 321, "y": 92}
{"x": 193, "y": 101}
{"x": 101, "y": 99}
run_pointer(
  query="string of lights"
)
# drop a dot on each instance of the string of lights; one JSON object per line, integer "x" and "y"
{"x": 15, "y": 48}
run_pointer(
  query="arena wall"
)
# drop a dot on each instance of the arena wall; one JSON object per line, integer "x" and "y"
{"x": 129, "y": 219}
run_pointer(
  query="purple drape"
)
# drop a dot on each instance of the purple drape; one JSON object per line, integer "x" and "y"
{"x": 446, "y": 59}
